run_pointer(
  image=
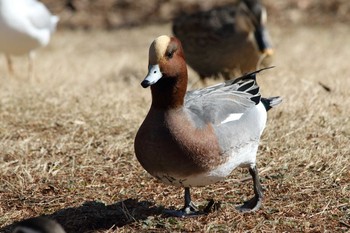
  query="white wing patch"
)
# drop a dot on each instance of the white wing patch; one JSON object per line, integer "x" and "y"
{"x": 232, "y": 117}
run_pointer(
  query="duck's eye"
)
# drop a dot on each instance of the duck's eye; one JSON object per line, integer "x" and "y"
{"x": 169, "y": 54}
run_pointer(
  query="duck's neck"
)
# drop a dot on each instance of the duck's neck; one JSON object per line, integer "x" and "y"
{"x": 169, "y": 92}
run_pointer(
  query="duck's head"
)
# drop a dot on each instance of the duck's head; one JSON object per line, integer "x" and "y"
{"x": 258, "y": 15}
{"x": 166, "y": 62}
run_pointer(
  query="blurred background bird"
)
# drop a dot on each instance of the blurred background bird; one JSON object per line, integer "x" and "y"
{"x": 38, "y": 225}
{"x": 228, "y": 40}
{"x": 25, "y": 25}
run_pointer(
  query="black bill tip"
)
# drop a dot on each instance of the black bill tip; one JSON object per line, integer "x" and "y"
{"x": 262, "y": 39}
{"x": 145, "y": 83}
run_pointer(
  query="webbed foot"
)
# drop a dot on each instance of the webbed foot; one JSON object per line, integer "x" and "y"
{"x": 254, "y": 203}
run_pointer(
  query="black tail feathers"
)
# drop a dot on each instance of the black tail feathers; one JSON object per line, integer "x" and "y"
{"x": 252, "y": 75}
{"x": 271, "y": 102}
{"x": 247, "y": 76}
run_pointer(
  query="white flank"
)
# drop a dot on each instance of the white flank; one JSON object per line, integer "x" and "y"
{"x": 244, "y": 157}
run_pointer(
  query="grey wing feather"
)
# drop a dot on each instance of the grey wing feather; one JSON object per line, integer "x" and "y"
{"x": 214, "y": 104}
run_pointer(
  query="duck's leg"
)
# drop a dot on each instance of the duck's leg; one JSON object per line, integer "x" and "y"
{"x": 260, "y": 61}
{"x": 31, "y": 56}
{"x": 254, "y": 203}
{"x": 189, "y": 210}
{"x": 9, "y": 64}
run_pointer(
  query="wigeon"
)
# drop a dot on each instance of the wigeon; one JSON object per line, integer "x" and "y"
{"x": 227, "y": 40}
{"x": 38, "y": 225}
{"x": 25, "y": 25}
{"x": 197, "y": 138}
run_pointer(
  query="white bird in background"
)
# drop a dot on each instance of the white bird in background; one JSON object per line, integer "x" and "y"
{"x": 25, "y": 25}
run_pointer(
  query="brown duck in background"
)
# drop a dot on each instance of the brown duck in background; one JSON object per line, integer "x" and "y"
{"x": 228, "y": 40}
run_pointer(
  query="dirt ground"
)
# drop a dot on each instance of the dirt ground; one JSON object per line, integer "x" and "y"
{"x": 66, "y": 138}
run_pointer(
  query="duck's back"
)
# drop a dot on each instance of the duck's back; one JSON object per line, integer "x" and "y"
{"x": 216, "y": 41}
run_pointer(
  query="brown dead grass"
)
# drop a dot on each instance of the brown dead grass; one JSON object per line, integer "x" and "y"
{"x": 66, "y": 139}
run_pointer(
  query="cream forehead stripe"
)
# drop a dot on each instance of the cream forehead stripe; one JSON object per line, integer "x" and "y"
{"x": 158, "y": 48}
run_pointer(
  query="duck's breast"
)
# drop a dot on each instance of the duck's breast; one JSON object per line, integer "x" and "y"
{"x": 170, "y": 147}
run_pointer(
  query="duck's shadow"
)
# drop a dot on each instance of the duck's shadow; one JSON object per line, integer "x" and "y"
{"x": 97, "y": 216}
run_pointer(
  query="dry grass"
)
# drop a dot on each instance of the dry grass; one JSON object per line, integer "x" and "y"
{"x": 66, "y": 139}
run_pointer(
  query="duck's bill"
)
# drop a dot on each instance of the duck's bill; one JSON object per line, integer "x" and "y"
{"x": 154, "y": 74}
{"x": 263, "y": 40}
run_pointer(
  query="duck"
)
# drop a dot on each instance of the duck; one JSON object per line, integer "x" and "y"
{"x": 225, "y": 41}
{"x": 197, "y": 138}
{"x": 25, "y": 25}
{"x": 38, "y": 225}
